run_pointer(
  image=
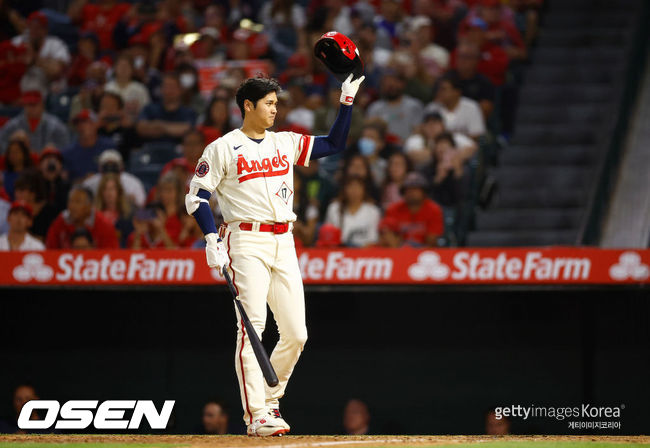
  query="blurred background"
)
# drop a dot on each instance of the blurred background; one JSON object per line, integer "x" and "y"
{"x": 481, "y": 123}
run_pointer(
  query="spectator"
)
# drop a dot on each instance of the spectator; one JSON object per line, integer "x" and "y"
{"x": 17, "y": 160}
{"x": 159, "y": 226}
{"x": 433, "y": 57}
{"x": 358, "y": 166}
{"x": 216, "y": 121}
{"x": 284, "y": 21}
{"x": 80, "y": 158}
{"x": 373, "y": 146}
{"x": 304, "y": 228}
{"x": 354, "y": 213}
{"x": 215, "y": 418}
{"x": 388, "y": 23}
{"x": 473, "y": 85}
{"x": 494, "y": 60}
{"x": 87, "y": 53}
{"x": 396, "y": 171}
{"x": 420, "y": 146}
{"x": 100, "y": 18}
{"x": 133, "y": 93}
{"x": 191, "y": 98}
{"x": 41, "y": 127}
{"x": 193, "y": 146}
{"x": 448, "y": 172}
{"x": 31, "y": 188}
{"x": 169, "y": 120}
{"x": 110, "y": 161}
{"x": 329, "y": 236}
{"x": 5, "y": 205}
{"x": 56, "y": 186}
{"x": 49, "y": 53}
{"x": 495, "y": 426}
{"x": 81, "y": 214}
{"x": 502, "y": 32}
{"x": 112, "y": 202}
{"x": 13, "y": 63}
{"x": 414, "y": 221}
{"x": 91, "y": 90}
{"x": 81, "y": 239}
{"x": 356, "y": 418}
{"x": 18, "y": 237}
{"x": 21, "y": 395}
{"x": 395, "y": 108}
{"x": 113, "y": 122}
{"x": 461, "y": 114}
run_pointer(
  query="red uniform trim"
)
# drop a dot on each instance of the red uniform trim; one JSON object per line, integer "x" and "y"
{"x": 243, "y": 337}
{"x": 304, "y": 149}
{"x": 278, "y": 227}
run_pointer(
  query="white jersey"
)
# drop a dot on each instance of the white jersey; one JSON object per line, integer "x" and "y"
{"x": 253, "y": 181}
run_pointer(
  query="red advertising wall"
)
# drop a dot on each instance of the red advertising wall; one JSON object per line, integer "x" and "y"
{"x": 555, "y": 265}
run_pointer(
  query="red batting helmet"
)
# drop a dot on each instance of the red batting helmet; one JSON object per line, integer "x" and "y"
{"x": 339, "y": 54}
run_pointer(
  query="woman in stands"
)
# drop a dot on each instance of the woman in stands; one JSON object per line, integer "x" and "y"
{"x": 16, "y": 160}
{"x": 113, "y": 203}
{"x": 398, "y": 167}
{"x": 355, "y": 214}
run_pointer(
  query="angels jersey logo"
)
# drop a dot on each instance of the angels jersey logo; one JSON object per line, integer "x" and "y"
{"x": 276, "y": 166}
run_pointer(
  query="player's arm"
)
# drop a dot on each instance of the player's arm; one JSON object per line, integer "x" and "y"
{"x": 334, "y": 142}
{"x": 197, "y": 203}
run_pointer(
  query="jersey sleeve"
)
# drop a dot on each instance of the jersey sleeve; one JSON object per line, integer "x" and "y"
{"x": 302, "y": 146}
{"x": 211, "y": 167}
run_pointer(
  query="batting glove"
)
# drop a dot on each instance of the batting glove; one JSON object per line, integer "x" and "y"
{"x": 215, "y": 252}
{"x": 349, "y": 89}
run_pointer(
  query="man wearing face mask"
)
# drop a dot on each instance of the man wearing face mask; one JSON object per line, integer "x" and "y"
{"x": 374, "y": 147}
{"x": 191, "y": 98}
{"x": 400, "y": 111}
{"x": 167, "y": 121}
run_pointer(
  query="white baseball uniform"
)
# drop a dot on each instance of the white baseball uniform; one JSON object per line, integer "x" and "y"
{"x": 254, "y": 185}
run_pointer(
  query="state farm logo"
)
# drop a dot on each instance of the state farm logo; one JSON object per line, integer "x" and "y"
{"x": 428, "y": 266}
{"x": 629, "y": 266}
{"x": 81, "y": 268}
{"x": 33, "y": 268}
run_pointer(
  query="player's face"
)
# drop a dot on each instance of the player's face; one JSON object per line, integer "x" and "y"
{"x": 266, "y": 110}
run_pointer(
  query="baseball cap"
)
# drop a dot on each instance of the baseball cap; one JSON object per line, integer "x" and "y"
{"x": 31, "y": 97}
{"x": 414, "y": 180}
{"x": 53, "y": 151}
{"x": 38, "y": 17}
{"x": 477, "y": 22}
{"x": 83, "y": 115}
{"x": 22, "y": 205}
{"x": 110, "y": 155}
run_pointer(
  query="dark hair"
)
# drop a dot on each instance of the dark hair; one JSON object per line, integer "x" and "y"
{"x": 225, "y": 128}
{"x": 378, "y": 125}
{"x": 446, "y": 136}
{"x": 27, "y": 159}
{"x": 115, "y": 96}
{"x": 82, "y": 232}
{"x": 33, "y": 181}
{"x": 407, "y": 161}
{"x": 453, "y": 80}
{"x": 195, "y": 131}
{"x": 254, "y": 89}
{"x": 172, "y": 75}
{"x": 222, "y": 404}
{"x": 87, "y": 191}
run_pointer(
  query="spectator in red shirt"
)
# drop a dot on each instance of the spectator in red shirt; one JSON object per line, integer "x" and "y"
{"x": 80, "y": 214}
{"x": 502, "y": 32}
{"x": 13, "y": 63}
{"x": 415, "y": 220}
{"x": 494, "y": 60}
{"x": 87, "y": 53}
{"x": 100, "y": 17}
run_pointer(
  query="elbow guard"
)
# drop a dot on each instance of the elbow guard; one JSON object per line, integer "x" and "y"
{"x": 194, "y": 198}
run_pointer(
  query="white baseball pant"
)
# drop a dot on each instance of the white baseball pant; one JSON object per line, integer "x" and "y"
{"x": 264, "y": 268}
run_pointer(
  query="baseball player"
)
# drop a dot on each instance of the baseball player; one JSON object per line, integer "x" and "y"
{"x": 251, "y": 171}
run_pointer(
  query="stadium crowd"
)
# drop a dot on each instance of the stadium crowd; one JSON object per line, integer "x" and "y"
{"x": 106, "y": 107}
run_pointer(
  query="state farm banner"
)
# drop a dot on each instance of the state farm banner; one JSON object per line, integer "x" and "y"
{"x": 556, "y": 265}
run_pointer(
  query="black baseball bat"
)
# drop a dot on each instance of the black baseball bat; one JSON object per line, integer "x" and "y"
{"x": 261, "y": 355}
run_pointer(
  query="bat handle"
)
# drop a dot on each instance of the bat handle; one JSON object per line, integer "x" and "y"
{"x": 231, "y": 285}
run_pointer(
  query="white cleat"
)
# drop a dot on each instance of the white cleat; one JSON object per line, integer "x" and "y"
{"x": 277, "y": 419}
{"x": 268, "y": 426}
